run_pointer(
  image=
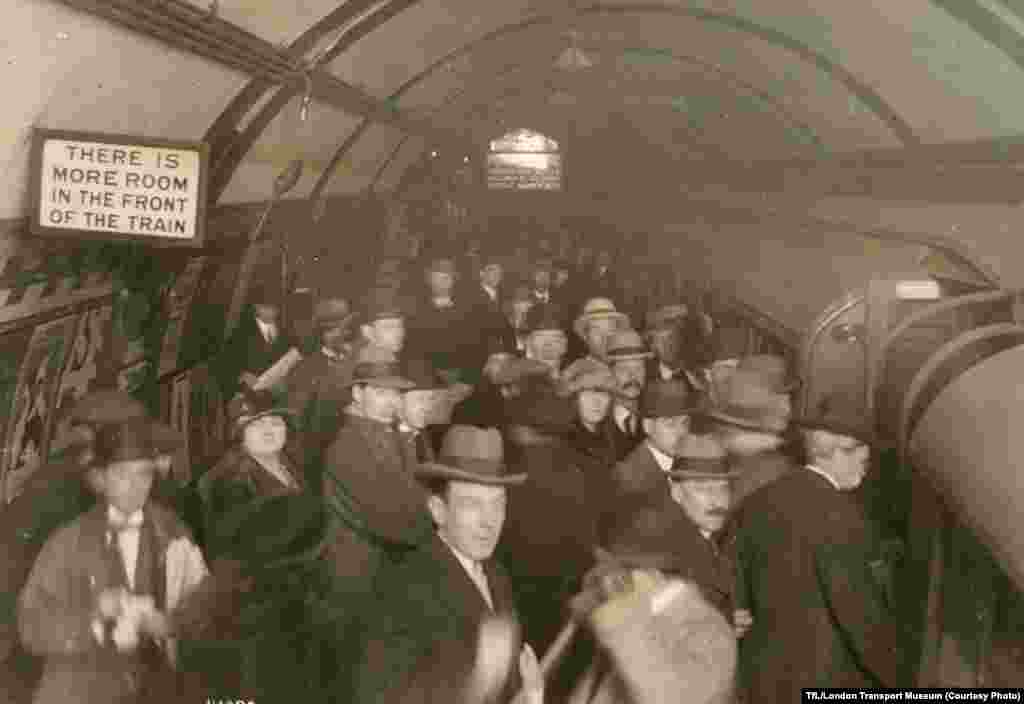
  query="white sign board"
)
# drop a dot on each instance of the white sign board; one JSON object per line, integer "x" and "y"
{"x": 118, "y": 188}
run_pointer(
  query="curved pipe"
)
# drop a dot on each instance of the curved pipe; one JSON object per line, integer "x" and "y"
{"x": 969, "y": 443}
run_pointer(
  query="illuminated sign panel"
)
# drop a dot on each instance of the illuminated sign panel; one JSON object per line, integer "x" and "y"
{"x": 524, "y": 160}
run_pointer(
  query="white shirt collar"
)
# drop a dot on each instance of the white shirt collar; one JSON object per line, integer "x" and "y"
{"x": 406, "y": 428}
{"x": 266, "y": 328}
{"x": 492, "y": 292}
{"x": 114, "y": 515}
{"x": 665, "y": 371}
{"x": 543, "y": 295}
{"x": 664, "y": 461}
{"x": 474, "y": 569}
{"x": 443, "y": 302}
{"x": 331, "y": 354}
{"x": 621, "y": 412}
{"x": 821, "y": 473}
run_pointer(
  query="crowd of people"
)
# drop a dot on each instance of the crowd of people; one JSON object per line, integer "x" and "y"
{"x": 458, "y": 473}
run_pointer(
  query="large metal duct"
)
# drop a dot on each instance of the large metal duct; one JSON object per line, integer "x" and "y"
{"x": 964, "y": 424}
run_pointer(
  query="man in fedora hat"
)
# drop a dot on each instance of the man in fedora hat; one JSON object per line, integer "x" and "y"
{"x": 666, "y": 409}
{"x": 441, "y": 329}
{"x": 433, "y": 604}
{"x": 806, "y": 551}
{"x": 377, "y": 509}
{"x": 627, "y": 355}
{"x": 96, "y": 602}
{"x": 382, "y": 326}
{"x": 546, "y": 340}
{"x": 664, "y": 335}
{"x": 258, "y": 343}
{"x": 417, "y": 414}
{"x": 318, "y": 388}
{"x": 748, "y": 417}
{"x": 596, "y": 322}
{"x": 486, "y": 301}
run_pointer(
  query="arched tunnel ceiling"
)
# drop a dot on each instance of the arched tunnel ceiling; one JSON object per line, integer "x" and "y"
{"x": 760, "y": 78}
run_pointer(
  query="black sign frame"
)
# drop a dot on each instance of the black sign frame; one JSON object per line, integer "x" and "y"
{"x": 39, "y": 138}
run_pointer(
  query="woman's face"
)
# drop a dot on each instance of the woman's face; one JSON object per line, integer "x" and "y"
{"x": 265, "y": 436}
{"x": 593, "y": 405}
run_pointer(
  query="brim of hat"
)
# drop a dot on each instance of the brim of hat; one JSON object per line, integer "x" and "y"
{"x": 865, "y": 435}
{"x": 283, "y": 412}
{"x": 641, "y": 560}
{"x": 582, "y": 321}
{"x": 386, "y": 382}
{"x": 434, "y": 470}
{"x": 612, "y": 358}
{"x": 683, "y": 475}
{"x": 744, "y": 423}
{"x": 334, "y": 321}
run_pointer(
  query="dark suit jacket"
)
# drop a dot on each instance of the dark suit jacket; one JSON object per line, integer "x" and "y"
{"x": 624, "y": 443}
{"x": 248, "y": 351}
{"x": 820, "y": 618}
{"x": 637, "y": 480}
{"x": 490, "y": 326}
{"x": 445, "y": 336}
{"x": 422, "y": 640}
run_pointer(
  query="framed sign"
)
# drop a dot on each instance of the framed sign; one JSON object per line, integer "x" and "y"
{"x": 117, "y": 187}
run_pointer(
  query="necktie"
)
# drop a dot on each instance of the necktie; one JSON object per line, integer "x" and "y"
{"x": 124, "y": 533}
{"x": 629, "y": 423}
{"x": 422, "y": 453}
{"x": 480, "y": 578}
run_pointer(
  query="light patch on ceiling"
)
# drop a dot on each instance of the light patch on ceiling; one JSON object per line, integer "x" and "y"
{"x": 647, "y": 55}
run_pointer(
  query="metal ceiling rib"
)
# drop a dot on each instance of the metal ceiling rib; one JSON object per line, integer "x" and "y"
{"x": 867, "y": 95}
{"x": 740, "y": 87}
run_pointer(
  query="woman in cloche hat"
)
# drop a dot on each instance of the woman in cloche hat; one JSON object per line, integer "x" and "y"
{"x": 257, "y": 465}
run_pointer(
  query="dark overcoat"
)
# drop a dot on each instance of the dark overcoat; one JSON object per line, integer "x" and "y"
{"x": 236, "y": 480}
{"x": 422, "y": 638}
{"x": 378, "y": 515}
{"x": 820, "y": 617}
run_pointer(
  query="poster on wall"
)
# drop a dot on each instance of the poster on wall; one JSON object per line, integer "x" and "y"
{"x": 82, "y": 368}
{"x": 34, "y": 398}
{"x": 104, "y": 186}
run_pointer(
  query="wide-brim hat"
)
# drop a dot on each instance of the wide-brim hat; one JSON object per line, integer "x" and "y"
{"x": 840, "y": 415}
{"x": 422, "y": 374}
{"x": 626, "y": 345}
{"x": 642, "y": 535}
{"x": 383, "y": 375}
{"x": 271, "y": 531}
{"x": 742, "y": 400}
{"x": 125, "y": 442}
{"x": 382, "y": 303}
{"x": 547, "y": 317}
{"x": 248, "y": 406}
{"x": 703, "y": 457}
{"x": 518, "y": 370}
{"x": 670, "y": 399}
{"x": 470, "y": 454}
{"x": 587, "y": 374}
{"x": 598, "y": 309}
{"x": 665, "y": 317}
{"x": 442, "y": 265}
{"x": 772, "y": 371}
{"x": 333, "y": 312}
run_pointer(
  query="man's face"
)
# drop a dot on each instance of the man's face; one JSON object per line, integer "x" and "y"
{"x": 705, "y": 501}
{"x": 593, "y": 405}
{"x": 631, "y": 375}
{"x": 377, "y": 403}
{"x": 388, "y": 333}
{"x": 597, "y": 332}
{"x": 265, "y": 436}
{"x": 126, "y": 484}
{"x": 667, "y": 434}
{"x": 267, "y": 312}
{"x": 334, "y": 338}
{"x": 491, "y": 275}
{"x": 542, "y": 279}
{"x": 848, "y": 463}
{"x": 417, "y": 407}
{"x": 665, "y": 343}
{"x": 441, "y": 283}
{"x": 470, "y": 517}
{"x": 548, "y": 346}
